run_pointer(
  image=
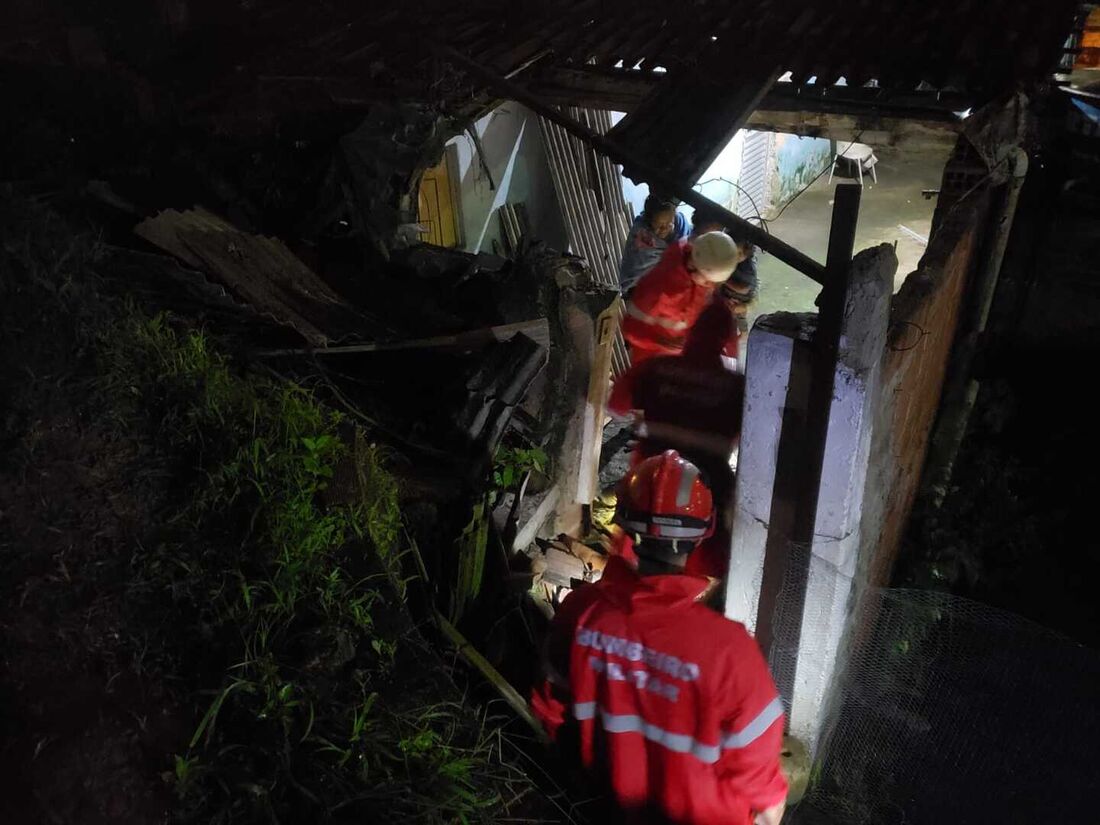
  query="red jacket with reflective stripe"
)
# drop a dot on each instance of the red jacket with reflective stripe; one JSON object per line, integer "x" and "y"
{"x": 674, "y": 705}
{"x": 664, "y": 305}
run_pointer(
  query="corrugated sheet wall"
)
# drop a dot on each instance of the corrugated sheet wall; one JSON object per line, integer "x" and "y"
{"x": 755, "y": 194}
{"x": 590, "y": 193}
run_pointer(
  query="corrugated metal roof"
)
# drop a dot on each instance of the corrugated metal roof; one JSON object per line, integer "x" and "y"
{"x": 980, "y": 47}
{"x": 716, "y": 59}
{"x": 344, "y": 52}
{"x": 261, "y": 271}
{"x": 975, "y": 47}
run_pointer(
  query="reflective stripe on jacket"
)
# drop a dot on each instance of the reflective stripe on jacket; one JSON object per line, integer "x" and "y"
{"x": 673, "y": 704}
{"x": 664, "y": 305}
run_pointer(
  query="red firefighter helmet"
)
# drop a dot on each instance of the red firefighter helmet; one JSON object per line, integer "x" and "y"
{"x": 664, "y": 501}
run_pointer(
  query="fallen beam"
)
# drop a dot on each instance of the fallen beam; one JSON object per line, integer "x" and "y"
{"x": 689, "y": 119}
{"x": 526, "y": 534}
{"x": 492, "y": 676}
{"x": 655, "y": 177}
{"x": 537, "y": 330}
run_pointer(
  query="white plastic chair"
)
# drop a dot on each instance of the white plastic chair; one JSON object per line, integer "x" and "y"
{"x": 862, "y": 155}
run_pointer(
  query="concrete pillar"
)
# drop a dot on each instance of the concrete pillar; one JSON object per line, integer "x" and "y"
{"x": 834, "y": 555}
{"x": 777, "y": 370}
{"x": 771, "y": 347}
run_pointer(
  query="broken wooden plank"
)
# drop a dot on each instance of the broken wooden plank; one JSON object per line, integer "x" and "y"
{"x": 562, "y": 568}
{"x": 525, "y": 535}
{"x": 599, "y": 385}
{"x": 506, "y": 691}
{"x": 538, "y": 330}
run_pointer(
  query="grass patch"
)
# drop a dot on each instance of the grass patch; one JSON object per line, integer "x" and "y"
{"x": 278, "y": 606}
{"x": 248, "y": 590}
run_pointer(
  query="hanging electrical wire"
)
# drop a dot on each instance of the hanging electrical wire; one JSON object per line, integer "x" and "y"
{"x": 759, "y": 218}
{"x": 816, "y": 177}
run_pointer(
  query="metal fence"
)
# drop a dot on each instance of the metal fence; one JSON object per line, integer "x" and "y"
{"x": 951, "y": 711}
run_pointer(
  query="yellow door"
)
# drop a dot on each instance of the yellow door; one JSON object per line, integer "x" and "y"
{"x": 1089, "y": 58}
{"x": 437, "y": 213}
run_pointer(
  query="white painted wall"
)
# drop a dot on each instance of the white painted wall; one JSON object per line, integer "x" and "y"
{"x": 718, "y": 182}
{"x": 834, "y": 556}
{"x": 517, "y": 161}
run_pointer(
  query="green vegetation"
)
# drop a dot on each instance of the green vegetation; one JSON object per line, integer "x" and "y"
{"x": 275, "y": 609}
{"x": 511, "y": 464}
{"x": 232, "y": 558}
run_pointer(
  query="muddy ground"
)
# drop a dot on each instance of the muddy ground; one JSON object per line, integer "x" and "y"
{"x": 87, "y": 728}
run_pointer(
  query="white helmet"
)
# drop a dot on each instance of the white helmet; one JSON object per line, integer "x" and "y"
{"x": 715, "y": 255}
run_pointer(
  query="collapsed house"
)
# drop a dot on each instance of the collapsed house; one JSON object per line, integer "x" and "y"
{"x": 450, "y": 353}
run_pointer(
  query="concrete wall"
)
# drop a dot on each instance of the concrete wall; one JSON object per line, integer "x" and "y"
{"x": 924, "y": 317}
{"x": 885, "y": 401}
{"x": 798, "y": 160}
{"x": 773, "y": 342}
{"x": 837, "y": 540}
{"x": 516, "y": 159}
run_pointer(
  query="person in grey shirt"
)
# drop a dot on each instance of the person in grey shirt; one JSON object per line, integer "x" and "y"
{"x": 658, "y": 226}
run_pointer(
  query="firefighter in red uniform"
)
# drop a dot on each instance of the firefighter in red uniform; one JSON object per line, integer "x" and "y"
{"x": 668, "y": 299}
{"x": 740, "y": 290}
{"x": 691, "y": 403}
{"x": 671, "y": 704}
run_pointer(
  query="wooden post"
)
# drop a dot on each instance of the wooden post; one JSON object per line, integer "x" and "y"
{"x": 599, "y": 385}
{"x": 802, "y": 450}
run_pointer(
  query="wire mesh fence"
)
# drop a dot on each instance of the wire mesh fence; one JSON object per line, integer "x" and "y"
{"x": 951, "y": 711}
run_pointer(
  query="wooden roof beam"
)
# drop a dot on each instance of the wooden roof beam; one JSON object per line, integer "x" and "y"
{"x": 660, "y": 180}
